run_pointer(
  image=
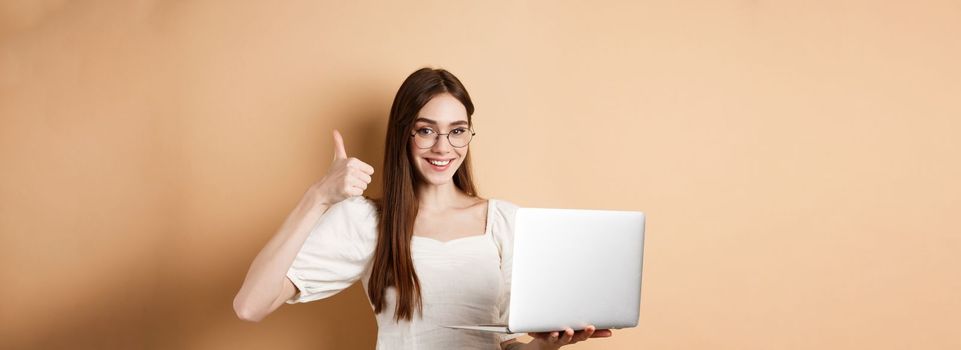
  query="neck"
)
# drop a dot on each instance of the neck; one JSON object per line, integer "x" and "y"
{"x": 433, "y": 197}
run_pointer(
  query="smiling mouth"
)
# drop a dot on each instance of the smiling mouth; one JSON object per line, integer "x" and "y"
{"x": 439, "y": 162}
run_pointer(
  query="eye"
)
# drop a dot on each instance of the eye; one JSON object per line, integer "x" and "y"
{"x": 425, "y": 132}
{"x": 459, "y": 131}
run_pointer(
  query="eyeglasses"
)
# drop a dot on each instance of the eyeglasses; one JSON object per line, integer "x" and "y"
{"x": 426, "y": 137}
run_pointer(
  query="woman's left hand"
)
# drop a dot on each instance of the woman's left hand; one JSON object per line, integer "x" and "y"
{"x": 555, "y": 340}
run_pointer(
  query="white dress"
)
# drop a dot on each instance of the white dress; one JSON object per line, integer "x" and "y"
{"x": 465, "y": 281}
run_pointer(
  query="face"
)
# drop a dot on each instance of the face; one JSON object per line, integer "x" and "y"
{"x": 441, "y": 115}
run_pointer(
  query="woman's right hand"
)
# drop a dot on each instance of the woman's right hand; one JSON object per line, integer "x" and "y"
{"x": 265, "y": 288}
{"x": 346, "y": 177}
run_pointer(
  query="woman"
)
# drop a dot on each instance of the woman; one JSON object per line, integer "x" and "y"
{"x": 430, "y": 253}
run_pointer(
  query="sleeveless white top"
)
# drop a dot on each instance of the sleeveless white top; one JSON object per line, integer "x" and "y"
{"x": 465, "y": 281}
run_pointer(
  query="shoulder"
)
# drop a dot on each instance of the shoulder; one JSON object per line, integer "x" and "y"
{"x": 503, "y": 210}
{"x": 355, "y": 208}
{"x": 352, "y": 216}
{"x": 501, "y": 218}
{"x": 501, "y": 224}
{"x": 347, "y": 230}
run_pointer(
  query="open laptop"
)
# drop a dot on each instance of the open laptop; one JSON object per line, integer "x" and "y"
{"x": 573, "y": 268}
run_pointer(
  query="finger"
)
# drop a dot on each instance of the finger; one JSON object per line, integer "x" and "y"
{"x": 352, "y": 187}
{"x": 361, "y": 185}
{"x": 358, "y": 183}
{"x": 554, "y": 337}
{"x": 360, "y": 165}
{"x": 586, "y": 333}
{"x": 354, "y": 191}
{"x": 568, "y": 335}
{"x": 579, "y": 336}
{"x": 361, "y": 176}
{"x": 339, "y": 151}
{"x": 602, "y": 333}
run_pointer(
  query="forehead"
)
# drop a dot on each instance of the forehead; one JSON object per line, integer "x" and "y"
{"x": 444, "y": 109}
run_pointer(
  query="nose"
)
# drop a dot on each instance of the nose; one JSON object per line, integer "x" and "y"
{"x": 442, "y": 145}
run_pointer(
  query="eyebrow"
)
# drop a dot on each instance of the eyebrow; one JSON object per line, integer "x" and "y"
{"x": 431, "y": 121}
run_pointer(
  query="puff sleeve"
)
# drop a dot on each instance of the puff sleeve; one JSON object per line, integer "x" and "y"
{"x": 503, "y": 233}
{"x": 337, "y": 252}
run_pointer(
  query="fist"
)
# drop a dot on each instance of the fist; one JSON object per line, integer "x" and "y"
{"x": 346, "y": 177}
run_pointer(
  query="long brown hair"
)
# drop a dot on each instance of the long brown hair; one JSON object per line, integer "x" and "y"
{"x": 393, "y": 266}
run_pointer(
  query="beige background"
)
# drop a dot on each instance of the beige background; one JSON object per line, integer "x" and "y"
{"x": 799, "y": 161}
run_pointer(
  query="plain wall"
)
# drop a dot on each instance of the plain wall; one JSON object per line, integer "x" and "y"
{"x": 798, "y": 160}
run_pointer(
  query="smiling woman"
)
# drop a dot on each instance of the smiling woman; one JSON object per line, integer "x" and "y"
{"x": 457, "y": 272}
{"x": 406, "y": 179}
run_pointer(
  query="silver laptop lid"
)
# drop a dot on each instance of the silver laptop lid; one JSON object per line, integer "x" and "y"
{"x": 574, "y": 267}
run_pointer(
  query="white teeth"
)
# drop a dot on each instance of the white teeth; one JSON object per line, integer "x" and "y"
{"x": 439, "y": 162}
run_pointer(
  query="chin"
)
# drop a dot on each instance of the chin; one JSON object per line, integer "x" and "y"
{"x": 438, "y": 181}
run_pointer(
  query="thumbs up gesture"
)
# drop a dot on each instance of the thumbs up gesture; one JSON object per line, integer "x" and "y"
{"x": 346, "y": 177}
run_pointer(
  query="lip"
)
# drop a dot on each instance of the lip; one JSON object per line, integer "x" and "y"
{"x": 438, "y": 168}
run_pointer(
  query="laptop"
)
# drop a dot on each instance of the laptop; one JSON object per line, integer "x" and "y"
{"x": 573, "y": 268}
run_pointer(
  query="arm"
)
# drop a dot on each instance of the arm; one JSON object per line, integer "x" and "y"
{"x": 266, "y": 286}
